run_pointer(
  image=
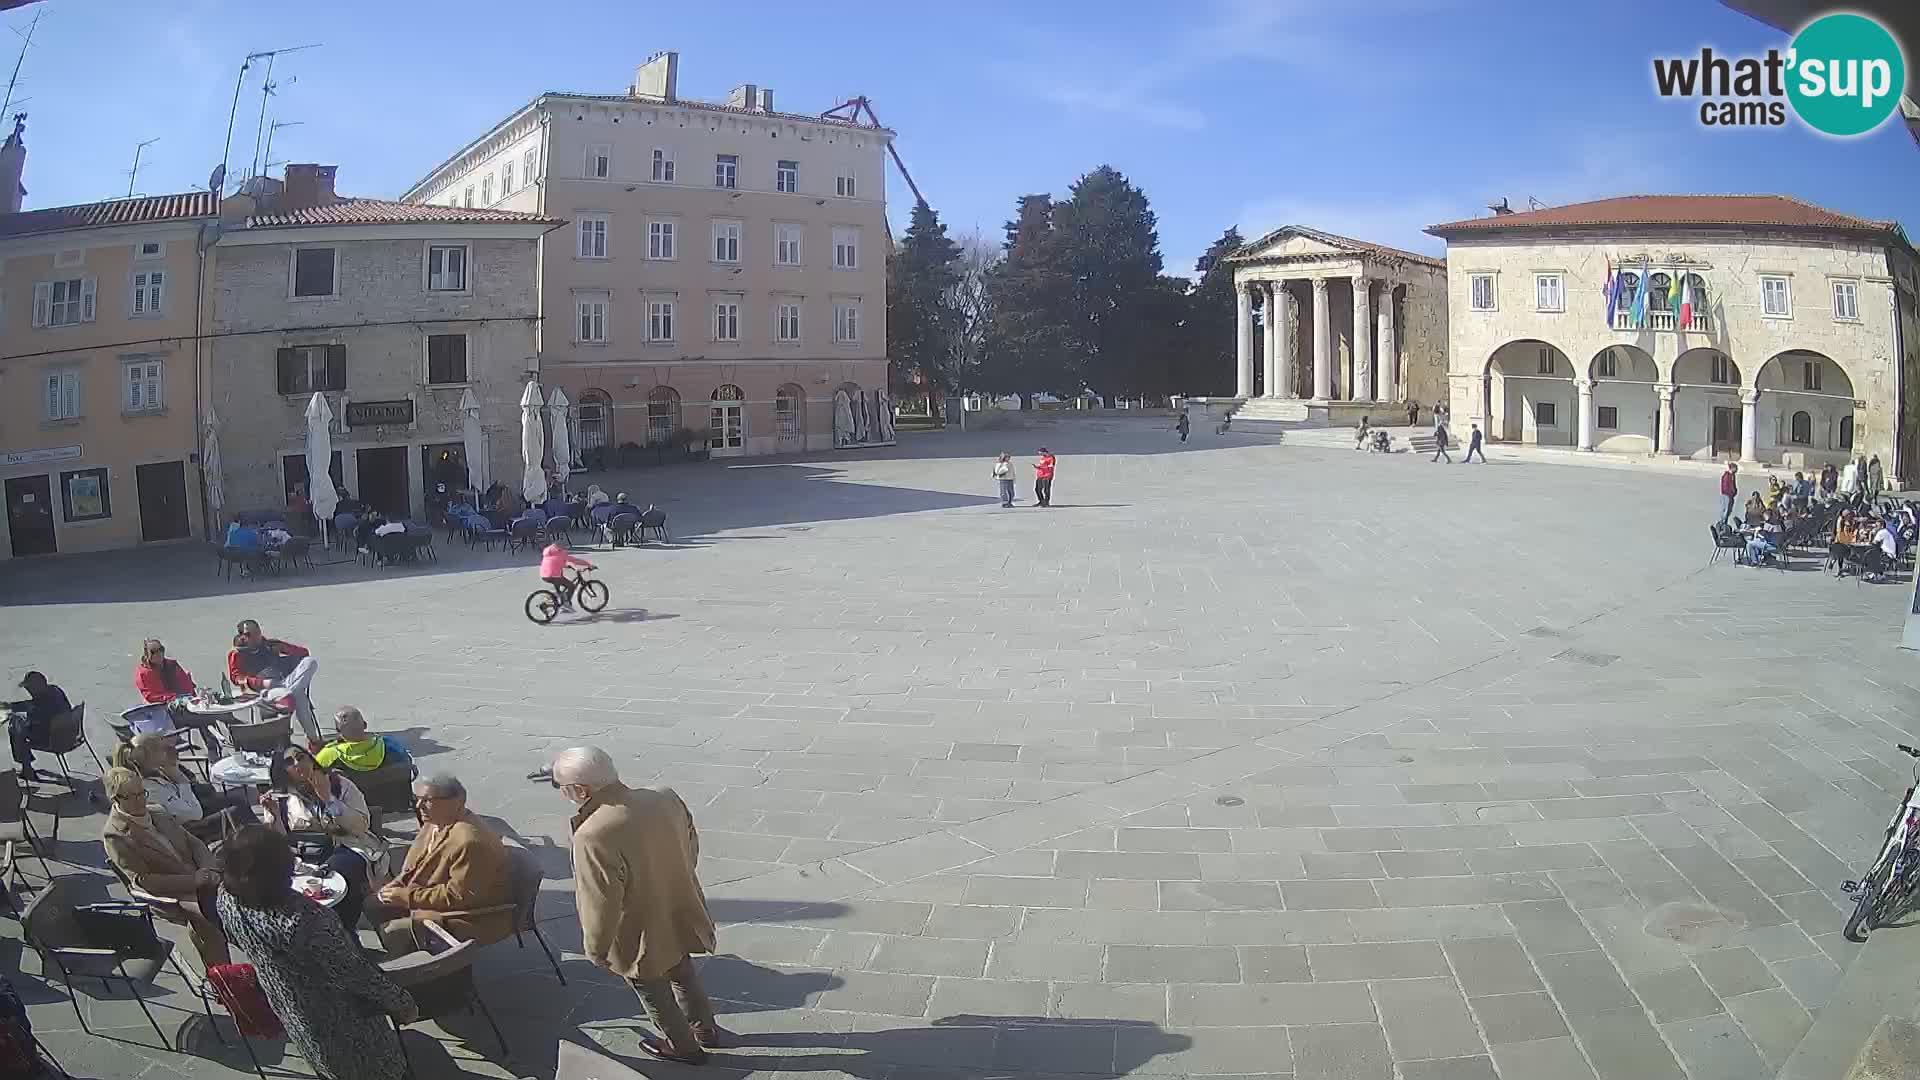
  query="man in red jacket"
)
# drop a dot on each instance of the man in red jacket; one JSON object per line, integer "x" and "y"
{"x": 1729, "y": 491}
{"x": 1043, "y": 478}
{"x": 281, "y": 670}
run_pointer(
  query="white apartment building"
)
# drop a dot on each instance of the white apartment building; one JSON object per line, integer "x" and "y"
{"x": 1797, "y": 347}
{"x": 724, "y": 268}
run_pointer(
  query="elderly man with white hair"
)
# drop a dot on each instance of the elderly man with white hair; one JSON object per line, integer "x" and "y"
{"x": 456, "y": 874}
{"x": 642, "y": 914}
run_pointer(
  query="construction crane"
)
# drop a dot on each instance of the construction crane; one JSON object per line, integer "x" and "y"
{"x": 849, "y": 111}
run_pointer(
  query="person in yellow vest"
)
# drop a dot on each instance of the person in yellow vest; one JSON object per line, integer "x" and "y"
{"x": 354, "y": 749}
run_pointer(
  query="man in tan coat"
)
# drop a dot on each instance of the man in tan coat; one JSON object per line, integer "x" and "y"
{"x": 642, "y": 914}
{"x": 456, "y": 874}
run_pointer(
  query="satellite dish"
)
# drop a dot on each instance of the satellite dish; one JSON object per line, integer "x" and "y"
{"x": 218, "y": 181}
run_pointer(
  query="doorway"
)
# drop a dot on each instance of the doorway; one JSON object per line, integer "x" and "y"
{"x": 383, "y": 480}
{"x": 1726, "y": 430}
{"x": 163, "y": 500}
{"x": 444, "y": 463}
{"x": 30, "y": 515}
{"x": 293, "y": 470}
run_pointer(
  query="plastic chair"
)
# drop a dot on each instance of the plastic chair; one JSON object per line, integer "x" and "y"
{"x": 54, "y": 931}
{"x": 15, "y": 828}
{"x": 621, "y": 527}
{"x": 525, "y": 876}
{"x": 654, "y": 520}
{"x": 440, "y": 978}
{"x": 262, "y": 737}
{"x": 66, "y": 733}
{"x": 525, "y": 533}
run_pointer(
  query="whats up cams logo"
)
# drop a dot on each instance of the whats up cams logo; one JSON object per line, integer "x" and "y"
{"x": 1842, "y": 75}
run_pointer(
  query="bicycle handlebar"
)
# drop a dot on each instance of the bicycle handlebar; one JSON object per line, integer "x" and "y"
{"x": 1907, "y": 750}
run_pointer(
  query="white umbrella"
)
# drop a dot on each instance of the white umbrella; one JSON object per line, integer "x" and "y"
{"x": 474, "y": 444}
{"x": 562, "y": 434}
{"x": 210, "y": 464}
{"x": 320, "y": 461}
{"x": 533, "y": 446}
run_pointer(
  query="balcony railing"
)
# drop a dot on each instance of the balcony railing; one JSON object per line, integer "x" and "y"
{"x": 1661, "y": 320}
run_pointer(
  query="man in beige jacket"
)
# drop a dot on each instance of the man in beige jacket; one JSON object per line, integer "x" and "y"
{"x": 642, "y": 914}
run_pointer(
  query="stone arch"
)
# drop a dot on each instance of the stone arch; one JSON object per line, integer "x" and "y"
{"x": 1802, "y": 382}
{"x": 593, "y": 419}
{"x": 1626, "y": 409}
{"x": 790, "y": 415}
{"x": 1530, "y": 395}
{"x": 1707, "y": 413}
{"x": 663, "y": 414}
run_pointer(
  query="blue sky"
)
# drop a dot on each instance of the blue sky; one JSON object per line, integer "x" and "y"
{"x": 1372, "y": 118}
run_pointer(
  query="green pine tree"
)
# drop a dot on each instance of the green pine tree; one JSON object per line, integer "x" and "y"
{"x": 921, "y": 321}
{"x": 1208, "y": 346}
{"x": 1110, "y": 250}
{"x": 1028, "y": 347}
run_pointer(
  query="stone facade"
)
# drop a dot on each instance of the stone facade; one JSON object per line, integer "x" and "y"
{"x": 385, "y": 316}
{"x": 1789, "y": 358}
{"x": 1331, "y": 328}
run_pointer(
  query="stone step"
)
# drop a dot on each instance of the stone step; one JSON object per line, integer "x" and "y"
{"x": 1271, "y": 409}
{"x": 1883, "y": 981}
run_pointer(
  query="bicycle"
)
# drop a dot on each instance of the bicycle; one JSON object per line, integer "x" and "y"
{"x": 1897, "y": 869}
{"x": 592, "y": 595}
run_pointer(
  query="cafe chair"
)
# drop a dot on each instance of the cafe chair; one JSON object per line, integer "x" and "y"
{"x": 64, "y": 734}
{"x": 16, "y": 830}
{"x": 440, "y": 978}
{"x": 524, "y": 874}
{"x": 134, "y": 954}
{"x": 261, "y": 737}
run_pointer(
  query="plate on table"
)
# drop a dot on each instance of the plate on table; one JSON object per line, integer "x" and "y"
{"x": 318, "y": 889}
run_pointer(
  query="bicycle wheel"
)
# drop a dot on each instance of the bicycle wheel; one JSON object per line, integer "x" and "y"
{"x": 592, "y": 595}
{"x": 542, "y": 605}
{"x": 1867, "y": 901}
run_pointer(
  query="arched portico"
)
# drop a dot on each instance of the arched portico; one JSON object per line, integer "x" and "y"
{"x": 1530, "y": 396}
{"x": 1804, "y": 412}
{"x": 1620, "y": 408}
{"x": 1711, "y": 415}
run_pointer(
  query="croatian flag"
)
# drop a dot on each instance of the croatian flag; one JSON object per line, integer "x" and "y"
{"x": 1684, "y": 301}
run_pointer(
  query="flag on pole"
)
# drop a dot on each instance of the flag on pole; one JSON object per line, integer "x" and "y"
{"x": 1640, "y": 298}
{"x": 1685, "y": 293}
{"x": 1613, "y": 293}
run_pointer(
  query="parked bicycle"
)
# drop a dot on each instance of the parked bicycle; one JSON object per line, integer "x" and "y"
{"x": 1890, "y": 881}
{"x": 589, "y": 593}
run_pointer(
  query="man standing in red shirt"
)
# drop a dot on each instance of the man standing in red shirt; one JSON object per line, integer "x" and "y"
{"x": 1043, "y": 478}
{"x": 1729, "y": 491}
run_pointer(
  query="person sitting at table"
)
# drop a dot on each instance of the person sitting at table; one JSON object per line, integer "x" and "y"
{"x": 345, "y": 502}
{"x": 28, "y": 721}
{"x": 300, "y": 510}
{"x": 160, "y": 857}
{"x": 242, "y": 537}
{"x": 363, "y": 532}
{"x": 158, "y": 678}
{"x": 1756, "y": 510}
{"x": 1802, "y": 489}
{"x": 304, "y": 798}
{"x": 1763, "y": 545}
{"x": 595, "y": 496}
{"x": 624, "y": 505}
{"x": 354, "y": 749}
{"x": 1845, "y": 536}
{"x": 456, "y": 874}
{"x": 281, "y": 670}
{"x": 1884, "y": 556}
{"x": 199, "y": 809}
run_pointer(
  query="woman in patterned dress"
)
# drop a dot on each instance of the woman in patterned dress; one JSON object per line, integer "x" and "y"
{"x": 332, "y": 1000}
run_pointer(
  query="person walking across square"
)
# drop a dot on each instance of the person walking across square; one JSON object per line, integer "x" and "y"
{"x": 1440, "y": 441}
{"x": 1003, "y": 476}
{"x": 1043, "y": 477}
{"x": 1473, "y": 447}
{"x": 1183, "y": 425}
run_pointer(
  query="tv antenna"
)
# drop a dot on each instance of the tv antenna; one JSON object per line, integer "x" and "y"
{"x": 239, "y": 81}
{"x": 25, "y": 44}
{"x": 134, "y": 173}
{"x": 268, "y": 88}
{"x": 267, "y": 154}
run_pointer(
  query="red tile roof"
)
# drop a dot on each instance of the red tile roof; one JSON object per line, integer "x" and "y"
{"x": 144, "y": 210}
{"x": 386, "y": 212}
{"x": 1336, "y": 240}
{"x": 1715, "y": 211}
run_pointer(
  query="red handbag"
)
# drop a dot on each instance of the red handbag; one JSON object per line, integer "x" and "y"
{"x": 238, "y": 988}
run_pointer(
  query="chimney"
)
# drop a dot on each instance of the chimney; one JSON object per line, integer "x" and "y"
{"x": 766, "y": 100}
{"x": 744, "y": 96}
{"x": 308, "y": 186}
{"x": 659, "y": 77}
{"x": 13, "y": 164}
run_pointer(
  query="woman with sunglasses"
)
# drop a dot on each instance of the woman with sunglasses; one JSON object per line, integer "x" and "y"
{"x": 327, "y": 818}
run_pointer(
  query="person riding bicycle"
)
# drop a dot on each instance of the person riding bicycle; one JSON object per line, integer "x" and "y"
{"x": 553, "y": 570}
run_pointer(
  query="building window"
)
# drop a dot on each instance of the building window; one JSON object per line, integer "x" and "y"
{"x": 788, "y": 323}
{"x": 1723, "y": 371}
{"x": 662, "y": 165}
{"x": 663, "y": 414}
{"x": 846, "y": 249}
{"x": 1800, "y": 429}
{"x": 486, "y": 190}
{"x": 446, "y": 359}
{"x": 145, "y": 393}
{"x": 593, "y": 237}
{"x": 446, "y": 268}
{"x": 1776, "y": 300}
{"x": 1846, "y": 433}
{"x": 1545, "y": 361}
{"x": 149, "y": 289}
{"x": 1547, "y": 293}
{"x": 150, "y": 249}
{"x": 314, "y": 272}
{"x": 726, "y": 171}
{"x": 506, "y": 178}
{"x": 466, "y": 199}
{"x": 305, "y": 369}
{"x": 787, "y": 403}
{"x": 659, "y": 320}
{"x": 592, "y": 320}
{"x": 527, "y": 161}
{"x": 846, "y": 321}
{"x": 786, "y": 176}
{"x": 726, "y": 241}
{"x": 843, "y": 185}
{"x": 1810, "y": 375}
{"x": 726, "y": 321}
{"x": 63, "y": 303}
{"x": 1481, "y": 286}
{"x": 84, "y": 495}
{"x": 659, "y": 239}
{"x": 1846, "y": 301}
{"x": 599, "y": 161}
{"x": 1543, "y": 413}
{"x": 786, "y": 245}
{"x": 1609, "y": 418}
{"x": 1659, "y": 288}
{"x": 1607, "y": 367}
{"x": 63, "y": 395}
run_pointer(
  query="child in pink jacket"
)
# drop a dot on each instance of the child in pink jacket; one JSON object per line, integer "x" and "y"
{"x": 553, "y": 566}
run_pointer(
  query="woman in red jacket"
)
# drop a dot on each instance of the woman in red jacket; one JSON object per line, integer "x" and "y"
{"x": 157, "y": 677}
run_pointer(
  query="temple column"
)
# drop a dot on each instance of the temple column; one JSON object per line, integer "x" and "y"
{"x": 1664, "y": 425}
{"x": 1322, "y": 343}
{"x": 1244, "y": 342}
{"x": 1289, "y": 347}
{"x": 1387, "y": 367}
{"x": 1585, "y": 387}
{"x": 1749, "y": 438}
{"x": 1270, "y": 349}
{"x": 1362, "y": 389}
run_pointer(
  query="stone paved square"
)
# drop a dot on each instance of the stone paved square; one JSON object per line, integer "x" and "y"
{"x": 1489, "y": 753}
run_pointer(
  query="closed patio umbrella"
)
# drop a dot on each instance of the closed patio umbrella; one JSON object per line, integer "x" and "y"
{"x": 533, "y": 446}
{"x": 320, "y": 462}
{"x": 474, "y": 444}
{"x": 562, "y": 432}
{"x": 210, "y": 465}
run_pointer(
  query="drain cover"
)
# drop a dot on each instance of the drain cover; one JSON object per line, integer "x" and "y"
{"x": 1229, "y": 800}
{"x": 1591, "y": 659}
{"x": 1694, "y": 924}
